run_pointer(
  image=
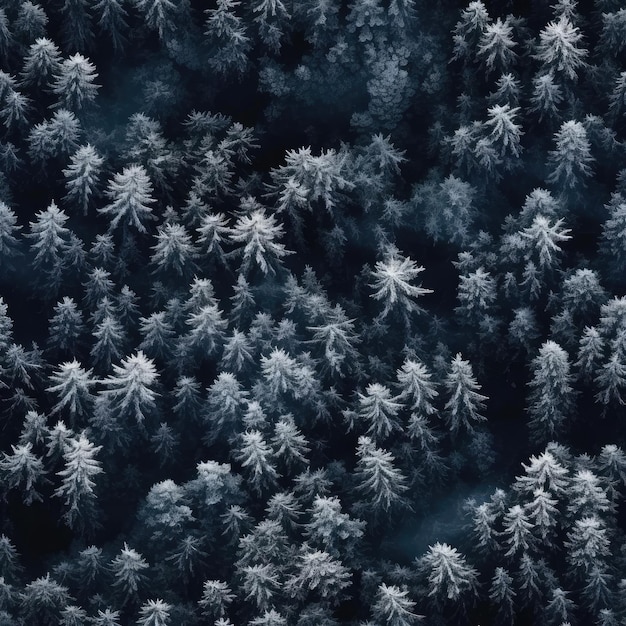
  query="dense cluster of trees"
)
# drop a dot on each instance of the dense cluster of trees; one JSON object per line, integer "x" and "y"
{"x": 278, "y": 277}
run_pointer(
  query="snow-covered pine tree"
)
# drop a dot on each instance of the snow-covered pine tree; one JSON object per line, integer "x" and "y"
{"x": 559, "y": 50}
{"x": 128, "y": 570}
{"x": 130, "y": 192}
{"x": 74, "y": 83}
{"x": 130, "y": 387}
{"x": 465, "y": 403}
{"x": 449, "y": 579}
{"x": 41, "y": 64}
{"x": 77, "y": 487}
{"x": 82, "y": 176}
{"x": 71, "y": 383}
{"x": 570, "y": 161}
{"x": 551, "y": 397}
{"x": 380, "y": 483}
{"x": 256, "y": 457}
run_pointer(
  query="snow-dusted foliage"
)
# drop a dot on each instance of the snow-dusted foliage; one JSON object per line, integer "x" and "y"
{"x": 291, "y": 332}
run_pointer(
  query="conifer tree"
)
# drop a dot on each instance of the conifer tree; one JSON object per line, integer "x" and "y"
{"x": 378, "y": 480}
{"x": 43, "y": 600}
{"x": 110, "y": 343}
{"x": 76, "y": 24}
{"x": 611, "y": 380}
{"x": 379, "y": 411}
{"x": 77, "y": 487}
{"x": 469, "y": 30}
{"x": 82, "y": 176}
{"x": 130, "y": 387}
{"x": 130, "y": 192}
{"x": 128, "y": 567}
{"x": 162, "y": 15}
{"x": 259, "y": 233}
{"x": 9, "y": 243}
{"x": 517, "y": 531}
{"x": 393, "y": 607}
{"x": 50, "y": 238}
{"x": 72, "y": 385}
{"x": 559, "y": 49}
{"x": 392, "y": 284}
{"x": 543, "y": 472}
{"x": 290, "y": 445}
{"x": 41, "y": 63}
{"x": 53, "y": 138}
{"x": 319, "y": 573}
{"x": 465, "y": 402}
{"x": 112, "y": 16}
{"x": 260, "y": 584}
{"x": 227, "y": 35}
{"x": 216, "y": 597}
{"x": 30, "y": 23}
{"x": 495, "y": 48}
{"x": 546, "y": 98}
{"x": 551, "y": 398}
{"x": 157, "y": 336}
{"x": 22, "y": 469}
{"x": 332, "y": 530}
{"x": 238, "y": 352}
{"x": 571, "y": 160}
{"x": 503, "y": 594}
{"x": 449, "y": 577}
{"x": 255, "y": 456}
{"x": 74, "y": 84}
{"x": 174, "y": 251}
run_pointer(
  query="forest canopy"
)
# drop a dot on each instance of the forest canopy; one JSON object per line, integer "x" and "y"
{"x": 312, "y": 312}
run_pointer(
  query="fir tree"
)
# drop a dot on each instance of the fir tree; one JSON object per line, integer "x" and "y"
{"x": 551, "y": 398}
{"x": 50, "y": 239}
{"x": 30, "y": 23}
{"x": 255, "y": 456}
{"x": 517, "y": 531}
{"x": 465, "y": 403}
{"x": 162, "y": 15}
{"x": 571, "y": 159}
{"x": 110, "y": 343}
{"x": 559, "y": 49}
{"x": 290, "y": 445}
{"x": 131, "y": 196}
{"x": 43, "y": 600}
{"x": 127, "y": 568}
{"x": 9, "y": 244}
{"x": 380, "y": 483}
{"x": 82, "y": 176}
{"x": 41, "y": 63}
{"x": 72, "y": 385}
{"x": 392, "y": 284}
{"x": 216, "y": 597}
{"x": 130, "y": 387}
{"x": 74, "y": 83}
{"x": 226, "y": 33}
{"x": 77, "y": 487}
{"x": 543, "y": 472}
{"x": 112, "y": 20}
{"x": 449, "y": 577}
{"x": 174, "y": 250}
{"x": 546, "y": 98}
{"x": 260, "y": 584}
{"x": 76, "y": 24}
{"x": 259, "y": 232}
{"x": 393, "y": 607}
{"x": 319, "y": 573}
{"x": 22, "y": 469}
{"x": 379, "y": 411}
